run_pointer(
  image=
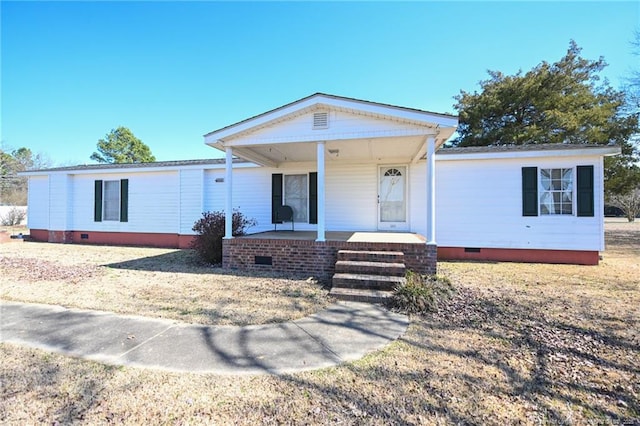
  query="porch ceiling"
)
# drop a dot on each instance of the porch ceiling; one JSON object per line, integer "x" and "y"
{"x": 352, "y": 150}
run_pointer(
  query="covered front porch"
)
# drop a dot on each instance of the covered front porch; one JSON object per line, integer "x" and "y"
{"x": 338, "y": 164}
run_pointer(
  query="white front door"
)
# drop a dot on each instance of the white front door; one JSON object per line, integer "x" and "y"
{"x": 392, "y": 198}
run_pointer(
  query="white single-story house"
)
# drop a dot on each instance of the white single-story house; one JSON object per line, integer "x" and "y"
{"x": 357, "y": 175}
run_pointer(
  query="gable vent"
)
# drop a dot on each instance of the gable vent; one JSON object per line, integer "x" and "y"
{"x": 320, "y": 120}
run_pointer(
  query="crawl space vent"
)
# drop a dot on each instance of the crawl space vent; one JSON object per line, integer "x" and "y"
{"x": 320, "y": 120}
{"x": 263, "y": 260}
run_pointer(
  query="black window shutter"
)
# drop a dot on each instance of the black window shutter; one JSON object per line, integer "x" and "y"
{"x": 585, "y": 191}
{"x": 276, "y": 195}
{"x": 97, "y": 201}
{"x": 313, "y": 197}
{"x": 124, "y": 200}
{"x": 529, "y": 191}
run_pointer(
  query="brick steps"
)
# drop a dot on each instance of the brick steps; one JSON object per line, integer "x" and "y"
{"x": 366, "y": 281}
{"x": 396, "y": 269}
{"x": 359, "y": 295}
{"x": 371, "y": 256}
{"x": 367, "y": 276}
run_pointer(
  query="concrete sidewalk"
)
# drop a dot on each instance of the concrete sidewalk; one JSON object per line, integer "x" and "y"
{"x": 345, "y": 331}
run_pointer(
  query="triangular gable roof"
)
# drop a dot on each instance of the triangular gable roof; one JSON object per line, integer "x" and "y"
{"x": 318, "y": 100}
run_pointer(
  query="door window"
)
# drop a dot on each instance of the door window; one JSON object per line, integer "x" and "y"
{"x": 392, "y": 195}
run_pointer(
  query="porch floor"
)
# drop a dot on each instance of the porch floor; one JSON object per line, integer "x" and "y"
{"x": 348, "y": 236}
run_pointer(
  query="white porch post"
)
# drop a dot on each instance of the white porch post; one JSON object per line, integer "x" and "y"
{"x": 320, "y": 161}
{"x": 228, "y": 208}
{"x": 431, "y": 190}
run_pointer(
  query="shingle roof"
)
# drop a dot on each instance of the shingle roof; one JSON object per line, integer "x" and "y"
{"x": 220, "y": 161}
{"x": 110, "y": 166}
{"x": 518, "y": 148}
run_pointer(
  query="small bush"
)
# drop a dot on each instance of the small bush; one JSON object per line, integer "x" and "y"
{"x": 421, "y": 293}
{"x": 210, "y": 230}
{"x": 13, "y": 217}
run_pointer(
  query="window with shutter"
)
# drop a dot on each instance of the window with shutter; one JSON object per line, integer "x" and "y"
{"x": 124, "y": 200}
{"x": 556, "y": 191}
{"x": 97, "y": 201}
{"x": 300, "y": 192}
{"x": 529, "y": 191}
{"x": 585, "y": 188}
{"x": 111, "y": 200}
{"x": 276, "y": 195}
{"x": 313, "y": 197}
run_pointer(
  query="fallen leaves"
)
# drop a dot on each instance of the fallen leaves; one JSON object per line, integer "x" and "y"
{"x": 32, "y": 270}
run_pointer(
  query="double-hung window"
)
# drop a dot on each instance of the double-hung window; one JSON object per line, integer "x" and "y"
{"x": 298, "y": 191}
{"x": 565, "y": 191}
{"x": 296, "y": 195}
{"x": 556, "y": 191}
{"x": 111, "y": 200}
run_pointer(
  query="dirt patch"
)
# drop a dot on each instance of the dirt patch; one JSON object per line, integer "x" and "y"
{"x": 31, "y": 270}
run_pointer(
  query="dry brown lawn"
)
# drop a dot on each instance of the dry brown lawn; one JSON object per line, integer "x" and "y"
{"x": 161, "y": 283}
{"x": 518, "y": 344}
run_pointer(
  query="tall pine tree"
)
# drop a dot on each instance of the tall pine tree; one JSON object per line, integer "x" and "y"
{"x": 561, "y": 102}
{"x": 121, "y": 146}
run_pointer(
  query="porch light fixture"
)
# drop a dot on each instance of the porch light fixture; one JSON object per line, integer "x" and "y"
{"x": 335, "y": 152}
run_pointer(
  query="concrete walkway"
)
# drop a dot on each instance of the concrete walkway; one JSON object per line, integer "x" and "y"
{"x": 345, "y": 331}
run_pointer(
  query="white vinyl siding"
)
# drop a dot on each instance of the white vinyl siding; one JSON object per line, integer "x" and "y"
{"x": 191, "y": 199}
{"x": 38, "y": 202}
{"x": 251, "y": 194}
{"x": 478, "y": 201}
{"x": 351, "y": 191}
{"x": 351, "y": 197}
{"x": 417, "y": 198}
{"x": 338, "y": 122}
{"x": 60, "y": 200}
{"x": 153, "y": 203}
{"x": 479, "y": 204}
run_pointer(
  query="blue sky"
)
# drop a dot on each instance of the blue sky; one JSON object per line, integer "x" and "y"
{"x": 173, "y": 71}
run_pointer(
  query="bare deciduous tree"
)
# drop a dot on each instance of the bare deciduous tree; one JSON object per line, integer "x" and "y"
{"x": 629, "y": 203}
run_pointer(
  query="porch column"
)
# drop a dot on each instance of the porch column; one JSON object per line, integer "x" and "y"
{"x": 431, "y": 190}
{"x": 228, "y": 207}
{"x": 320, "y": 160}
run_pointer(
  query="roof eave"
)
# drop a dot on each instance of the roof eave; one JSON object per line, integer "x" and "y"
{"x": 561, "y": 151}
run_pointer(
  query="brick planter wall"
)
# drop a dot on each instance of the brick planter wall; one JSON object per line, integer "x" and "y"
{"x": 312, "y": 258}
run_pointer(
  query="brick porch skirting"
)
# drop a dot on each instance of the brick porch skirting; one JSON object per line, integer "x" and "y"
{"x": 313, "y": 258}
